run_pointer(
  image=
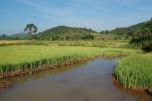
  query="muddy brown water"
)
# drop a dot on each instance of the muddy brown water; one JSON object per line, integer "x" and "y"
{"x": 91, "y": 81}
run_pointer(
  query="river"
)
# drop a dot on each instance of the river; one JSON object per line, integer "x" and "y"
{"x": 90, "y": 81}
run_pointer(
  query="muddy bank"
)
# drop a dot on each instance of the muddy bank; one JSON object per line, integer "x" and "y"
{"x": 43, "y": 68}
{"x": 133, "y": 90}
{"x": 46, "y": 67}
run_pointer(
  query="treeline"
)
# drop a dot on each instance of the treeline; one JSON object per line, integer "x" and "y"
{"x": 128, "y": 31}
{"x": 144, "y": 36}
{"x": 21, "y": 36}
{"x": 105, "y": 32}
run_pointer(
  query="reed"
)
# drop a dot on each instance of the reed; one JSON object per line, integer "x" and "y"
{"x": 135, "y": 71}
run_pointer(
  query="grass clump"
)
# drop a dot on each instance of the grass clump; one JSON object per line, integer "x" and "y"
{"x": 135, "y": 71}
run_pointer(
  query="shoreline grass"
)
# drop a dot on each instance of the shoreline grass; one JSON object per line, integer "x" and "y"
{"x": 135, "y": 71}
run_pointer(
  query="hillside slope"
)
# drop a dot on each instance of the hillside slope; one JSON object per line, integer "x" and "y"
{"x": 66, "y": 33}
{"x": 19, "y": 36}
{"x": 131, "y": 29}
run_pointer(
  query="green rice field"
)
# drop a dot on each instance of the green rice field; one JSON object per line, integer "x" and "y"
{"x": 17, "y": 57}
{"x": 133, "y": 71}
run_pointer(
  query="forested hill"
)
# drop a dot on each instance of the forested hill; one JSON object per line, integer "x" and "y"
{"x": 19, "y": 36}
{"x": 128, "y": 30}
{"x": 66, "y": 33}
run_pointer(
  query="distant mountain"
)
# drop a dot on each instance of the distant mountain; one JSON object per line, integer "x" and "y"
{"x": 66, "y": 33}
{"x": 19, "y": 36}
{"x": 131, "y": 29}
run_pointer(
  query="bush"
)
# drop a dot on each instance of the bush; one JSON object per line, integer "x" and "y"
{"x": 147, "y": 46}
{"x": 55, "y": 38}
{"x": 88, "y": 37}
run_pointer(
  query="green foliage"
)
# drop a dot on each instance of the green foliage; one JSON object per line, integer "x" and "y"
{"x": 144, "y": 37}
{"x": 65, "y": 33}
{"x": 4, "y": 37}
{"x": 31, "y": 56}
{"x": 135, "y": 71}
{"x": 55, "y": 37}
{"x": 104, "y": 32}
{"x": 147, "y": 46}
{"x": 88, "y": 37}
{"x": 31, "y": 28}
{"x": 131, "y": 30}
{"x": 19, "y": 36}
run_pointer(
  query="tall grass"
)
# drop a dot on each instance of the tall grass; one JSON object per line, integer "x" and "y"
{"x": 22, "y": 42}
{"x": 135, "y": 71}
{"x": 95, "y": 43}
{"x": 32, "y": 56}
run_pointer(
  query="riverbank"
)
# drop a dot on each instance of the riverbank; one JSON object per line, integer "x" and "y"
{"x": 91, "y": 80}
{"x": 135, "y": 72}
{"x": 31, "y": 57}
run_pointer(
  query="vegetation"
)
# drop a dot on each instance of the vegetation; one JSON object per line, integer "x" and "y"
{"x": 144, "y": 37}
{"x": 4, "y": 37}
{"x": 19, "y": 36}
{"x": 31, "y": 56}
{"x": 31, "y": 28}
{"x": 135, "y": 71}
{"x": 66, "y": 33}
{"x": 104, "y": 32}
{"x": 147, "y": 46}
{"x": 128, "y": 31}
{"x": 27, "y": 56}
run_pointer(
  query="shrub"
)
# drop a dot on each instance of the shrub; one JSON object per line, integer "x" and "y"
{"x": 88, "y": 37}
{"x": 147, "y": 46}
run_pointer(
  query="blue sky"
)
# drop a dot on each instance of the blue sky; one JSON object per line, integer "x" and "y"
{"x": 95, "y": 14}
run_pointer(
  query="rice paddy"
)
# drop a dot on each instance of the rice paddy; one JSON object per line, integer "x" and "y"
{"x": 133, "y": 71}
{"x": 31, "y": 56}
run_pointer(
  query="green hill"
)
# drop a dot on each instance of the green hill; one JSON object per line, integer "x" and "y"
{"x": 66, "y": 33}
{"x": 128, "y": 30}
{"x": 19, "y": 36}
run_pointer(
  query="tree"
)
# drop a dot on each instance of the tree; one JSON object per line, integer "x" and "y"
{"x": 31, "y": 28}
{"x": 130, "y": 33}
{"x": 88, "y": 37}
{"x": 144, "y": 37}
{"x": 102, "y": 32}
{"x": 148, "y": 26}
{"x": 106, "y": 32}
{"x": 67, "y": 38}
{"x": 55, "y": 38}
{"x": 3, "y": 35}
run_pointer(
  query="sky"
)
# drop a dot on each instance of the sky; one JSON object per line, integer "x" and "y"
{"x": 95, "y": 14}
